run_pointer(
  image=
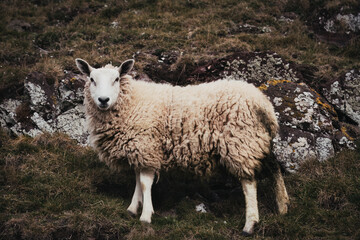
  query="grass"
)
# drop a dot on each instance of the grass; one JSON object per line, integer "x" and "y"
{"x": 50, "y": 188}
{"x": 111, "y": 31}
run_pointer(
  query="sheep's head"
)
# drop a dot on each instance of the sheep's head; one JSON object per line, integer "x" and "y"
{"x": 105, "y": 82}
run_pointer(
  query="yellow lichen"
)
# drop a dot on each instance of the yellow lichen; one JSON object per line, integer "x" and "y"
{"x": 276, "y": 81}
{"x": 263, "y": 87}
{"x": 53, "y": 97}
{"x": 344, "y": 131}
{"x": 325, "y": 105}
{"x": 272, "y": 82}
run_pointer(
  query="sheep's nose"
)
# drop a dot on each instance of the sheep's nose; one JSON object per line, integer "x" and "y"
{"x": 103, "y": 100}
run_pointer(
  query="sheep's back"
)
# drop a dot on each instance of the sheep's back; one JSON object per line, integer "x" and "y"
{"x": 216, "y": 118}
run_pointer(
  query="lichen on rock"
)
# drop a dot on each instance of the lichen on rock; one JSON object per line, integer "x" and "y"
{"x": 45, "y": 108}
{"x": 73, "y": 123}
{"x": 344, "y": 94}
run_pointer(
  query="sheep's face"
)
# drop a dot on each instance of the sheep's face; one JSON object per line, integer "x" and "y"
{"x": 104, "y": 82}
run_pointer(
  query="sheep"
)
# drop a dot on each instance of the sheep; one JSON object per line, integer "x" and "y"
{"x": 154, "y": 127}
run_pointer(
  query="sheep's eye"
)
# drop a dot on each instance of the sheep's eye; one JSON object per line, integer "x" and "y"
{"x": 117, "y": 79}
{"x": 92, "y": 80}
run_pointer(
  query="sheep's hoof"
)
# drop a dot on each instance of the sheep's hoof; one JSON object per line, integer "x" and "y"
{"x": 145, "y": 219}
{"x": 248, "y": 229}
{"x": 284, "y": 209}
{"x": 246, "y": 234}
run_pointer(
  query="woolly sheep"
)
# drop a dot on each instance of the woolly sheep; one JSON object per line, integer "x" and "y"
{"x": 158, "y": 126}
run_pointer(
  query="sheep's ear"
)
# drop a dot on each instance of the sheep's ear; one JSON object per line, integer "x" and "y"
{"x": 83, "y": 66}
{"x": 126, "y": 67}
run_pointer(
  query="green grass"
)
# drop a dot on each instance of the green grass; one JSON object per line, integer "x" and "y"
{"x": 50, "y": 188}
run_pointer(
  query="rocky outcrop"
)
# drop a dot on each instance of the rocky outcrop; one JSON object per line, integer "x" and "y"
{"x": 350, "y": 21}
{"x": 344, "y": 94}
{"x": 309, "y": 126}
{"x": 47, "y": 108}
{"x": 312, "y": 126}
{"x": 338, "y": 25}
{"x": 253, "y": 67}
{"x": 315, "y": 121}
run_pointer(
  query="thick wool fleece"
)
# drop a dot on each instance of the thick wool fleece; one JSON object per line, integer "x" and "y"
{"x": 160, "y": 126}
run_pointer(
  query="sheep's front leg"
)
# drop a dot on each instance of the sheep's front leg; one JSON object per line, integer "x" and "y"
{"x": 137, "y": 197}
{"x": 252, "y": 212}
{"x": 146, "y": 181}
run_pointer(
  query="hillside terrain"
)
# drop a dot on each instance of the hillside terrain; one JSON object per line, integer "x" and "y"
{"x": 53, "y": 188}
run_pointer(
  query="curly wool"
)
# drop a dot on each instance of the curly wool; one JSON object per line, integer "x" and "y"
{"x": 159, "y": 126}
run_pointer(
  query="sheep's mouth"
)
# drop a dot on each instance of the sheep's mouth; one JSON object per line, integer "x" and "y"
{"x": 103, "y": 106}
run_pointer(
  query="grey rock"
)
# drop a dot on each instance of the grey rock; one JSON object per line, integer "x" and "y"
{"x": 294, "y": 148}
{"x": 8, "y": 113}
{"x": 252, "y": 67}
{"x": 41, "y": 124}
{"x": 344, "y": 94}
{"x": 47, "y": 109}
{"x": 351, "y": 21}
{"x": 325, "y": 148}
{"x": 341, "y": 22}
{"x": 73, "y": 123}
{"x": 307, "y": 128}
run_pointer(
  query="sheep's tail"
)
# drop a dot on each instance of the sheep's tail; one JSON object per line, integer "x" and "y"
{"x": 268, "y": 118}
{"x": 157, "y": 174}
{"x": 274, "y": 126}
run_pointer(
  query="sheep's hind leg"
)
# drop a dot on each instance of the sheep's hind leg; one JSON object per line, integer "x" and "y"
{"x": 146, "y": 181}
{"x": 137, "y": 197}
{"x": 282, "y": 198}
{"x": 252, "y": 212}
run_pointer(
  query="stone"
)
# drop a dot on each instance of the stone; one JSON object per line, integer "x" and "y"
{"x": 42, "y": 95}
{"x": 252, "y": 67}
{"x": 7, "y": 113}
{"x": 344, "y": 94}
{"x": 338, "y": 26}
{"x": 201, "y": 208}
{"x": 41, "y": 124}
{"x": 325, "y": 148}
{"x": 73, "y": 123}
{"x": 70, "y": 91}
{"x": 306, "y": 122}
{"x": 341, "y": 22}
{"x": 46, "y": 108}
{"x": 351, "y": 21}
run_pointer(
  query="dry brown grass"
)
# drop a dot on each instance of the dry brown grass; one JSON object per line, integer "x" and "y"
{"x": 112, "y": 31}
{"x": 50, "y": 188}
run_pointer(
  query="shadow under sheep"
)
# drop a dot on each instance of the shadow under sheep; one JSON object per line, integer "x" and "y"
{"x": 221, "y": 192}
